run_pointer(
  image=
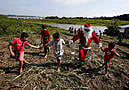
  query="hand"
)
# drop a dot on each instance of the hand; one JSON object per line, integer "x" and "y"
{"x": 100, "y": 45}
{"x": 40, "y": 48}
{"x": 118, "y": 55}
{"x": 12, "y": 54}
{"x": 70, "y": 42}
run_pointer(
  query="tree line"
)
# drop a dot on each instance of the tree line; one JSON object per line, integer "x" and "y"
{"x": 124, "y": 17}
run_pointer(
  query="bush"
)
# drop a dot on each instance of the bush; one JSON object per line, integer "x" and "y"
{"x": 113, "y": 29}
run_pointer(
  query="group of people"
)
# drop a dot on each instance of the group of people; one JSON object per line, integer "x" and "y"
{"x": 72, "y": 30}
{"x": 86, "y": 35}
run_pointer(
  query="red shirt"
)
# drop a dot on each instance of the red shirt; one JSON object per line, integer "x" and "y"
{"x": 17, "y": 43}
{"x": 45, "y": 34}
{"x": 109, "y": 54}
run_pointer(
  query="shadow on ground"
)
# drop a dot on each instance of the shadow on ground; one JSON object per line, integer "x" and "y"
{"x": 8, "y": 70}
{"x": 124, "y": 44}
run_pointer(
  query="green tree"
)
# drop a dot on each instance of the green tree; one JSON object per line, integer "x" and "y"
{"x": 113, "y": 29}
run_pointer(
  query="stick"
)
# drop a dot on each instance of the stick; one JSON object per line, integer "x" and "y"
{"x": 21, "y": 74}
{"x": 32, "y": 78}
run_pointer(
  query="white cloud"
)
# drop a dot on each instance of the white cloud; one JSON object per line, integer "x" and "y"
{"x": 72, "y": 1}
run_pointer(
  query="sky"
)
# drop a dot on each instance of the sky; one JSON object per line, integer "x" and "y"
{"x": 65, "y": 8}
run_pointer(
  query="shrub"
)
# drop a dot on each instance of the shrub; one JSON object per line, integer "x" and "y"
{"x": 113, "y": 29}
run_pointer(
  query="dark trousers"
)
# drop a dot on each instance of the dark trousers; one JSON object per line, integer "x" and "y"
{"x": 46, "y": 48}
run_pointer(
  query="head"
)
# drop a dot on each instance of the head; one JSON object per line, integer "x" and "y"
{"x": 87, "y": 27}
{"x": 43, "y": 26}
{"x": 24, "y": 36}
{"x": 87, "y": 31}
{"x": 56, "y": 36}
{"x": 111, "y": 45}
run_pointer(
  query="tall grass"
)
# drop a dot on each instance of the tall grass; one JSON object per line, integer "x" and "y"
{"x": 15, "y": 26}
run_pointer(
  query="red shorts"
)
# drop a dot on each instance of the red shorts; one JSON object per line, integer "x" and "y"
{"x": 21, "y": 56}
{"x": 107, "y": 62}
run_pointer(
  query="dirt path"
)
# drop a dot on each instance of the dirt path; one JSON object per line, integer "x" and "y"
{"x": 42, "y": 74}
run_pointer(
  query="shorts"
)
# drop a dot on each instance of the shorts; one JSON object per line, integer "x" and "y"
{"x": 59, "y": 57}
{"x": 20, "y": 57}
{"x": 107, "y": 62}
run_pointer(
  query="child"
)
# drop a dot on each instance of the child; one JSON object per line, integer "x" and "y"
{"x": 45, "y": 38}
{"x": 57, "y": 48}
{"x": 18, "y": 44}
{"x": 110, "y": 52}
{"x": 100, "y": 34}
{"x": 120, "y": 38}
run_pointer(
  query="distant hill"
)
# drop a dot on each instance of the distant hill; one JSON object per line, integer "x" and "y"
{"x": 24, "y": 16}
{"x": 124, "y": 17}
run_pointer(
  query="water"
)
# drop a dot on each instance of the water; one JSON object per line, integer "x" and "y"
{"x": 66, "y": 26}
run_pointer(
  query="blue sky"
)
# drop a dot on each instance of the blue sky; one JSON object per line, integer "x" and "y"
{"x": 68, "y": 8}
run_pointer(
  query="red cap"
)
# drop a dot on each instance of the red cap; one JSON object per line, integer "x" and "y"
{"x": 87, "y": 27}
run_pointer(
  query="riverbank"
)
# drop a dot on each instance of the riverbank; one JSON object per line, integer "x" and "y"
{"x": 75, "y": 27}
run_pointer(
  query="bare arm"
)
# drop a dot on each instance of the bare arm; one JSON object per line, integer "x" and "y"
{"x": 115, "y": 52}
{"x": 63, "y": 42}
{"x": 44, "y": 46}
{"x": 102, "y": 49}
{"x": 50, "y": 37}
{"x": 11, "y": 51}
{"x": 34, "y": 46}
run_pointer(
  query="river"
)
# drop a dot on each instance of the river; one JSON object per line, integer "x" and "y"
{"x": 66, "y": 26}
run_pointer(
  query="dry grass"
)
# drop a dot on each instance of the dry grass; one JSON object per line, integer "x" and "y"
{"x": 41, "y": 74}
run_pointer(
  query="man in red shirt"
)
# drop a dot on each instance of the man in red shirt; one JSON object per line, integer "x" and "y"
{"x": 45, "y": 38}
{"x": 86, "y": 35}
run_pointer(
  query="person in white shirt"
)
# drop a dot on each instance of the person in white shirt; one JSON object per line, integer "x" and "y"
{"x": 58, "y": 50}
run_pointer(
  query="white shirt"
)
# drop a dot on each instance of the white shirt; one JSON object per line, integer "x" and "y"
{"x": 57, "y": 47}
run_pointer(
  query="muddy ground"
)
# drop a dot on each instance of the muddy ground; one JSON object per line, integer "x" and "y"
{"x": 42, "y": 73}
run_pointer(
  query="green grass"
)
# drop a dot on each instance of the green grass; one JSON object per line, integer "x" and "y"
{"x": 14, "y": 27}
{"x": 97, "y": 22}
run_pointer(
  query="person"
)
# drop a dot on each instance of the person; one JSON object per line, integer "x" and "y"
{"x": 45, "y": 38}
{"x": 75, "y": 31}
{"x": 120, "y": 38}
{"x": 18, "y": 53}
{"x": 100, "y": 34}
{"x": 58, "y": 50}
{"x": 110, "y": 52}
{"x": 86, "y": 35}
{"x": 78, "y": 30}
{"x": 69, "y": 29}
